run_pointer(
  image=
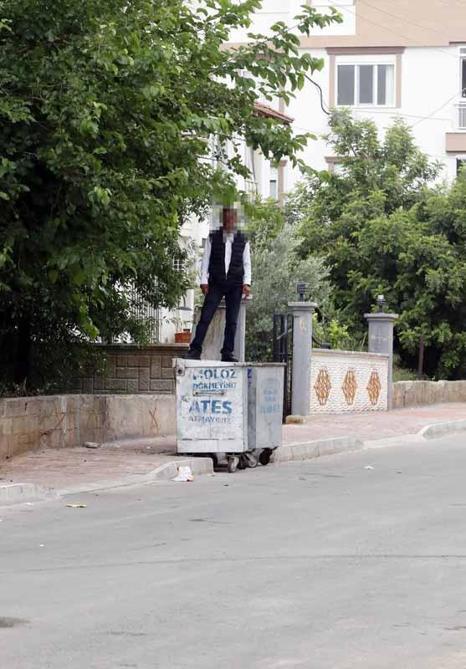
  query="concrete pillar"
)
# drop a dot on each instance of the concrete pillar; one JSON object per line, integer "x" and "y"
{"x": 302, "y": 351}
{"x": 214, "y": 339}
{"x": 381, "y": 341}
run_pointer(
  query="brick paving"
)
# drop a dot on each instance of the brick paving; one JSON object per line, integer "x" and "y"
{"x": 68, "y": 468}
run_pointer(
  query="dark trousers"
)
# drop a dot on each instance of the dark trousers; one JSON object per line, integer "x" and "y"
{"x": 232, "y": 294}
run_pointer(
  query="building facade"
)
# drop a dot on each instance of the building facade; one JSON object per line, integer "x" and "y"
{"x": 387, "y": 59}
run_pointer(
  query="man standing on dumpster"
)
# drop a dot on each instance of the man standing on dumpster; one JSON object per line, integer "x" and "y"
{"x": 226, "y": 272}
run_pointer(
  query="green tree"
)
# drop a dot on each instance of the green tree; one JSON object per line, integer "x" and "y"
{"x": 106, "y": 118}
{"x": 384, "y": 228}
{"x": 277, "y": 268}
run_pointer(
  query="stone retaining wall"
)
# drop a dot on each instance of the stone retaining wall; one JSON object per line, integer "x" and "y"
{"x": 418, "y": 393}
{"x": 348, "y": 381}
{"x": 60, "y": 421}
{"x": 132, "y": 369}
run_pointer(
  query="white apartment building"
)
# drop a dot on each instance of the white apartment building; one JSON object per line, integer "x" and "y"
{"x": 387, "y": 59}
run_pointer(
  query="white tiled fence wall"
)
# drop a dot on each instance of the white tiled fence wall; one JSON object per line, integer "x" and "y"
{"x": 348, "y": 381}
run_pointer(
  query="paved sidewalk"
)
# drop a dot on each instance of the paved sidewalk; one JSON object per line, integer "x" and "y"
{"x": 376, "y": 425}
{"x": 69, "y": 468}
{"x": 125, "y": 461}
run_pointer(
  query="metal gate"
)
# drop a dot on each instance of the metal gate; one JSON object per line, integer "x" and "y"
{"x": 283, "y": 352}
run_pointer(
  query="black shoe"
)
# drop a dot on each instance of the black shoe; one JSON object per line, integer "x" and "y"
{"x": 229, "y": 357}
{"x": 192, "y": 354}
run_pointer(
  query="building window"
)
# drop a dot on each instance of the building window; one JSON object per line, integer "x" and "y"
{"x": 461, "y": 103}
{"x": 335, "y": 165}
{"x": 460, "y": 166}
{"x": 463, "y": 72}
{"x": 365, "y": 85}
{"x": 178, "y": 264}
{"x": 273, "y": 183}
{"x": 252, "y": 162}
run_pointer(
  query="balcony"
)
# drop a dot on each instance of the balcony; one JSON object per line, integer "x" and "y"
{"x": 456, "y": 140}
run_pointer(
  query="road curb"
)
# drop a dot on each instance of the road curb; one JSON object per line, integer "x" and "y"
{"x": 164, "y": 472}
{"x": 19, "y": 493}
{"x": 169, "y": 470}
{"x": 442, "y": 429}
{"x": 316, "y": 449}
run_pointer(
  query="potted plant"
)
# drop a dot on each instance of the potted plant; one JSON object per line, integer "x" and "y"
{"x": 183, "y": 337}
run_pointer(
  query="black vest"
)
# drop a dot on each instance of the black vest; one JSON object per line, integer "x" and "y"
{"x": 217, "y": 259}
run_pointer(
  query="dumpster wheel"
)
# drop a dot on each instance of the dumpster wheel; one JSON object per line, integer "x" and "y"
{"x": 250, "y": 459}
{"x": 242, "y": 462}
{"x": 264, "y": 457}
{"x": 233, "y": 461}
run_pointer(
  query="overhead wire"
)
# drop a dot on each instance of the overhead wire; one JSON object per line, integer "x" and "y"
{"x": 394, "y": 32}
{"x": 432, "y": 115}
{"x": 394, "y": 112}
{"x": 363, "y": 18}
{"x": 321, "y": 93}
{"x": 448, "y": 53}
{"x": 387, "y": 112}
{"x": 405, "y": 19}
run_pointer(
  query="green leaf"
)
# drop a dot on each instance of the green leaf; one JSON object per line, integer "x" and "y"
{"x": 108, "y": 115}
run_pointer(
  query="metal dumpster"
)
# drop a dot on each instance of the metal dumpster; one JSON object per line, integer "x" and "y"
{"x": 232, "y": 412}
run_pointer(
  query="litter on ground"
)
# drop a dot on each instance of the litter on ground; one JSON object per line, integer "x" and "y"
{"x": 184, "y": 474}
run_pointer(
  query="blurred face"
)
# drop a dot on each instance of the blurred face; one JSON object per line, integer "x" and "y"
{"x": 229, "y": 219}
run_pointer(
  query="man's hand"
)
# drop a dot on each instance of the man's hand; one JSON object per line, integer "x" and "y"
{"x": 205, "y": 288}
{"x": 246, "y": 290}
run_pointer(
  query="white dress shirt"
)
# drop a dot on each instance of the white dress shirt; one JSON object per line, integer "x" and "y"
{"x": 228, "y": 238}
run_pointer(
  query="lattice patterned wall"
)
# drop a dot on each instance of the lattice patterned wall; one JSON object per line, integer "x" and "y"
{"x": 348, "y": 381}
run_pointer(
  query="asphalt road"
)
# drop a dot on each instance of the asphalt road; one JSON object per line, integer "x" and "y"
{"x": 323, "y": 565}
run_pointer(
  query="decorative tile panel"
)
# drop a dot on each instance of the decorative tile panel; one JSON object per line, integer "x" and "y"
{"x": 350, "y": 386}
{"x": 348, "y": 381}
{"x": 374, "y": 387}
{"x": 323, "y": 386}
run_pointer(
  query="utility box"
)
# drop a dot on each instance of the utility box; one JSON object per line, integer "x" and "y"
{"x": 231, "y": 411}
